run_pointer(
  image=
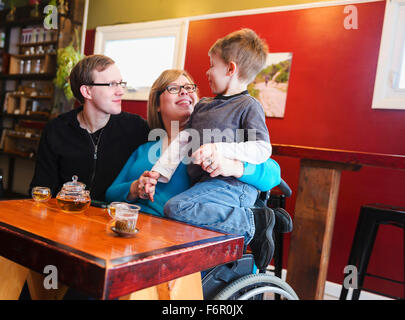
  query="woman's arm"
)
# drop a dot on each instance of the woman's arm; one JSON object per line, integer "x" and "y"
{"x": 264, "y": 176}
{"x": 130, "y": 183}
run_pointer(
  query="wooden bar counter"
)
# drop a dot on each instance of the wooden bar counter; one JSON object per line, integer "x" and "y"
{"x": 315, "y": 209}
{"x": 90, "y": 257}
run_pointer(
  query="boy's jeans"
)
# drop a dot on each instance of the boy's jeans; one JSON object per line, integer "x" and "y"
{"x": 221, "y": 204}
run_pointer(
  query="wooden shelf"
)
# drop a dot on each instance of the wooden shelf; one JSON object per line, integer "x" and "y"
{"x": 34, "y": 44}
{"x": 28, "y": 76}
{"x": 25, "y": 21}
{"x": 32, "y": 56}
{"x": 16, "y": 154}
{"x": 17, "y": 136}
{"x": 31, "y": 97}
{"x": 33, "y": 116}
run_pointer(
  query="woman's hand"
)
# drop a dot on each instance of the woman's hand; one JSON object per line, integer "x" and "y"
{"x": 144, "y": 187}
{"x": 215, "y": 164}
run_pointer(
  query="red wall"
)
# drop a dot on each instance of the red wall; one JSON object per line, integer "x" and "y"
{"x": 328, "y": 105}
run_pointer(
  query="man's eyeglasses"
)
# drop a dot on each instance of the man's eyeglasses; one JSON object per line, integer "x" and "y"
{"x": 175, "y": 89}
{"x": 113, "y": 84}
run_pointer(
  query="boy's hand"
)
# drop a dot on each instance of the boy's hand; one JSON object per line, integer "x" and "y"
{"x": 149, "y": 187}
{"x": 144, "y": 187}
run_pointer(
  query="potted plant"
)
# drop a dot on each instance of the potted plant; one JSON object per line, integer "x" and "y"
{"x": 11, "y": 15}
{"x": 34, "y": 12}
{"x": 66, "y": 59}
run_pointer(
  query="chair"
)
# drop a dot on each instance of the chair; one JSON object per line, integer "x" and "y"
{"x": 371, "y": 217}
{"x": 236, "y": 280}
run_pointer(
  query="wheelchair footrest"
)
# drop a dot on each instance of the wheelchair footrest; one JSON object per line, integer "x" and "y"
{"x": 220, "y": 276}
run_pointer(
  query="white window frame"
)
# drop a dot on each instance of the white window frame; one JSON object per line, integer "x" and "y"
{"x": 387, "y": 95}
{"x": 162, "y": 28}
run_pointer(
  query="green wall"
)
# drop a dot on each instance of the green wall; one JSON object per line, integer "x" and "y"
{"x": 110, "y": 12}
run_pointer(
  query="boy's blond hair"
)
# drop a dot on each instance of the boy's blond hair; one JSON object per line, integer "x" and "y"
{"x": 246, "y": 49}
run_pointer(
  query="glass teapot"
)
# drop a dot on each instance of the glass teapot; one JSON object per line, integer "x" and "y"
{"x": 73, "y": 198}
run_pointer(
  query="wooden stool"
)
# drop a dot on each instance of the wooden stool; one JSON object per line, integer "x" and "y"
{"x": 371, "y": 216}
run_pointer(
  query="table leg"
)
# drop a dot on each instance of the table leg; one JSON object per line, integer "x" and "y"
{"x": 37, "y": 290}
{"x": 313, "y": 228}
{"x": 185, "y": 288}
{"x": 12, "y": 279}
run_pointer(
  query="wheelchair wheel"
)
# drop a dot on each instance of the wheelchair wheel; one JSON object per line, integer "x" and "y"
{"x": 253, "y": 287}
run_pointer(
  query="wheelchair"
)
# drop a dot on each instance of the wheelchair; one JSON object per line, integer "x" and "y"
{"x": 237, "y": 280}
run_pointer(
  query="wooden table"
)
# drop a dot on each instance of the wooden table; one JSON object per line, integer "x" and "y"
{"x": 315, "y": 208}
{"x": 91, "y": 258}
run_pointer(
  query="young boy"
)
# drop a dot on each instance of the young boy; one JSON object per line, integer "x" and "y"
{"x": 223, "y": 203}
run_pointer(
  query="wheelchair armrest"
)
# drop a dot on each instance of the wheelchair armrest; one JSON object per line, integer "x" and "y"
{"x": 284, "y": 222}
{"x": 284, "y": 188}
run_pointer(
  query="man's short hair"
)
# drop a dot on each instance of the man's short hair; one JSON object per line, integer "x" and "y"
{"x": 82, "y": 72}
{"x": 246, "y": 49}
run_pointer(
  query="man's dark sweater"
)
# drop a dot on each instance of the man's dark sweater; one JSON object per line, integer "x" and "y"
{"x": 66, "y": 149}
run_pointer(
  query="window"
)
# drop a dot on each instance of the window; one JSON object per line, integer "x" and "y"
{"x": 143, "y": 50}
{"x": 389, "y": 89}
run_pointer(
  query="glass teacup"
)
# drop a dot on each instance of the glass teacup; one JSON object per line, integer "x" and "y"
{"x": 125, "y": 217}
{"x": 41, "y": 194}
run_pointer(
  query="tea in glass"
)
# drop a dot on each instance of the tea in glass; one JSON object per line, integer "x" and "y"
{"x": 41, "y": 194}
{"x": 73, "y": 205}
{"x": 73, "y": 198}
{"x": 125, "y": 216}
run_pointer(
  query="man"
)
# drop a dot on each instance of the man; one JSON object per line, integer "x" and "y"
{"x": 93, "y": 141}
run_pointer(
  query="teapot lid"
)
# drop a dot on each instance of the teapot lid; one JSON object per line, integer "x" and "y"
{"x": 74, "y": 185}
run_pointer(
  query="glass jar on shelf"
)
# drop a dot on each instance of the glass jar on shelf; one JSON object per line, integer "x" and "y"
{"x": 22, "y": 69}
{"x": 28, "y": 66}
{"x": 37, "y": 66}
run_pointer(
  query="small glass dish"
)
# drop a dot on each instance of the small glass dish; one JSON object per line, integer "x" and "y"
{"x": 123, "y": 233}
{"x": 41, "y": 194}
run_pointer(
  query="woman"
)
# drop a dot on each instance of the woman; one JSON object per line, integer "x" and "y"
{"x": 171, "y": 102}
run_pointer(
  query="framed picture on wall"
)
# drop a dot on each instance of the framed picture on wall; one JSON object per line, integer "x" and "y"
{"x": 271, "y": 84}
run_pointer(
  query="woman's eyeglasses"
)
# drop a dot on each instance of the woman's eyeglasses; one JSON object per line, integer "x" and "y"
{"x": 113, "y": 84}
{"x": 175, "y": 89}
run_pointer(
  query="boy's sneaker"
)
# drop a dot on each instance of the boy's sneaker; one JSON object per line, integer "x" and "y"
{"x": 262, "y": 244}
